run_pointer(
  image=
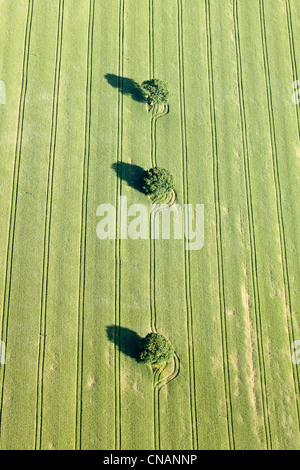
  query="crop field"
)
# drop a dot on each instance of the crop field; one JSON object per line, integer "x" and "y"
{"x": 75, "y": 134}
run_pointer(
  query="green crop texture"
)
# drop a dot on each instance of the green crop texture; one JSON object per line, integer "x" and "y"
{"x": 74, "y": 134}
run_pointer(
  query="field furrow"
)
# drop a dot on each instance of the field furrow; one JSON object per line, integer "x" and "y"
{"x": 87, "y": 266}
{"x": 189, "y": 310}
{"x": 289, "y": 312}
{"x": 168, "y": 275}
{"x": 13, "y": 206}
{"x": 293, "y": 54}
{"x": 258, "y": 323}
{"x": 98, "y": 397}
{"x": 49, "y": 197}
{"x": 118, "y": 230}
{"x": 218, "y": 230}
{"x": 83, "y": 237}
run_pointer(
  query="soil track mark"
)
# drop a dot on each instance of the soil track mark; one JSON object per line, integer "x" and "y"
{"x": 118, "y": 241}
{"x": 42, "y": 339}
{"x": 293, "y": 54}
{"x": 86, "y": 162}
{"x": 157, "y": 113}
{"x": 260, "y": 346}
{"x": 219, "y": 230}
{"x": 187, "y": 260}
{"x": 276, "y": 174}
{"x": 14, "y": 198}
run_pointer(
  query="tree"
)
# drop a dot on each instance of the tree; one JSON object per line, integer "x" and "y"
{"x": 155, "y": 349}
{"x": 157, "y": 91}
{"x": 157, "y": 181}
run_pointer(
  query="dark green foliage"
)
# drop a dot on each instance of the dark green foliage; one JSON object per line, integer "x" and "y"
{"x": 157, "y": 91}
{"x": 157, "y": 181}
{"x": 155, "y": 349}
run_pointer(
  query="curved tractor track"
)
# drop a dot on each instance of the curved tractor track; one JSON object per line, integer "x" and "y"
{"x": 158, "y": 204}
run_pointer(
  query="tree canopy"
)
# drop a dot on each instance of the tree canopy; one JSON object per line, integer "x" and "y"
{"x": 157, "y": 181}
{"x": 157, "y": 91}
{"x": 156, "y": 349}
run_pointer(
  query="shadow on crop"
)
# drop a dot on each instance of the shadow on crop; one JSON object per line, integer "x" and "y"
{"x": 132, "y": 174}
{"x": 125, "y": 339}
{"x": 127, "y": 86}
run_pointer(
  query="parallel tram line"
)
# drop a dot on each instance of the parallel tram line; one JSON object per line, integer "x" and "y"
{"x": 118, "y": 241}
{"x": 83, "y": 236}
{"x": 158, "y": 371}
{"x": 151, "y": 38}
{"x": 187, "y": 267}
{"x": 224, "y": 334}
{"x": 260, "y": 347}
{"x": 284, "y": 259}
{"x": 293, "y": 54}
{"x": 158, "y": 380}
{"x": 42, "y": 339}
{"x": 14, "y": 199}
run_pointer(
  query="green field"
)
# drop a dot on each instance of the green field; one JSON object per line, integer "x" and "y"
{"x": 72, "y": 132}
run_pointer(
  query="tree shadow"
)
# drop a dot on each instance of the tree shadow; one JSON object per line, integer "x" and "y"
{"x": 127, "y": 86}
{"x": 132, "y": 174}
{"x": 125, "y": 339}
